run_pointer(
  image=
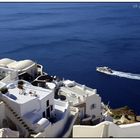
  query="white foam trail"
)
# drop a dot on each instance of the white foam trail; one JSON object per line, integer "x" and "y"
{"x": 126, "y": 75}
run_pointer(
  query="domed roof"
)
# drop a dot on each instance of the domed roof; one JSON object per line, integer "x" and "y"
{"x": 5, "y": 61}
{"x": 21, "y": 64}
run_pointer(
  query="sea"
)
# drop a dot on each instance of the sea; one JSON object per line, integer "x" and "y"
{"x": 71, "y": 39}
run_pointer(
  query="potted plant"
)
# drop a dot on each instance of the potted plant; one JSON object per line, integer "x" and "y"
{"x": 4, "y": 90}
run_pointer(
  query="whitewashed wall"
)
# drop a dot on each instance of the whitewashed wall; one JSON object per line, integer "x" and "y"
{"x": 58, "y": 127}
{"x": 96, "y": 100}
{"x": 107, "y": 129}
{"x": 29, "y": 106}
{"x": 55, "y": 129}
{"x": 32, "y": 70}
{"x": 49, "y": 97}
{"x": 10, "y": 78}
{"x": 88, "y": 131}
{"x": 12, "y": 103}
{"x": 45, "y": 133}
{"x": 32, "y": 105}
{"x": 22, "y": 109}
{"x": 127, "y": 130}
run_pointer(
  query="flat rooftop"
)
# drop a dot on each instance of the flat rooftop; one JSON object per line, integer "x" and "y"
{"x": 76, "y": 91}
{"x": 27, "y": 94}
{"x": 69, "y": 97}
{"x": 79, "y": 90}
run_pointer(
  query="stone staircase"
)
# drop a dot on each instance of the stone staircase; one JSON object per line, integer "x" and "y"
{"x": 19, "y": 121}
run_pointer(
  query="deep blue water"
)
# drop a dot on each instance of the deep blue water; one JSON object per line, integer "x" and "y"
{"x": 71, "y": 39}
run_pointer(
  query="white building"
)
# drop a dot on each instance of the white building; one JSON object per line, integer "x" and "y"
{"x": 25, "y": 68}
{"x": 33, "y": 110}
{"x": 107, "y": 129}
{"x": 86, "y": 99}
{"x": 30, "y": 98}
{"x": 83, "y": 97}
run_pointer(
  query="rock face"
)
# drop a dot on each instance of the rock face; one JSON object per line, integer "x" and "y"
{"x": 8, "y": 133}
{"x": 123, "y": 115}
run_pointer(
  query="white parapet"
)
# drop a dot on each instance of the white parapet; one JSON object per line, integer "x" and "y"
{"x": 107, "y": 129}
{"x": 81, "y": 131}
{"x": 126, "y": 130}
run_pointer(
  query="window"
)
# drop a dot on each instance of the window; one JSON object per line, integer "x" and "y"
{"x": 51, "y": 107}
{"x": 47, "y": 103}
{"x": 93, "y": 106}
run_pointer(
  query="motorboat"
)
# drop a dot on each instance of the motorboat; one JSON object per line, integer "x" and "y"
{"x": 104, "y": 69}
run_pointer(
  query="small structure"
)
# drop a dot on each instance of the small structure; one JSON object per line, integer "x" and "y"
{"x": 83, "y": 97}
{"x": 27, "y": 69}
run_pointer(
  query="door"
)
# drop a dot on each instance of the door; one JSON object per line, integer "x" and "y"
{"x": 48, "y": 112}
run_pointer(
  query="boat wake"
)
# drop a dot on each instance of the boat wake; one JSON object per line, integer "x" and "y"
{"x": 126, "y": 75}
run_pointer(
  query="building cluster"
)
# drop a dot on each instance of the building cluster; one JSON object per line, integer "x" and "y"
{"x": 35, "y": 104}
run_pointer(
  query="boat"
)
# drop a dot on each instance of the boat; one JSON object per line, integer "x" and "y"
{"x": 104, "y": 69}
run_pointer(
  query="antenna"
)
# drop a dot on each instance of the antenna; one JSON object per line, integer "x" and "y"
{"x": 108, "y": 105}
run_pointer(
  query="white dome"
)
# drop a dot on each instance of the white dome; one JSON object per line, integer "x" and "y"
{"x": 3, "y": 65}
{"x": 21, "y": 64}
{"x": 11, "y": 65}
{"x": 5, "y": 61}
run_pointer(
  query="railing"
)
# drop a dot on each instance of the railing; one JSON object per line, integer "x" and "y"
{"x": 86, "y": 88}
